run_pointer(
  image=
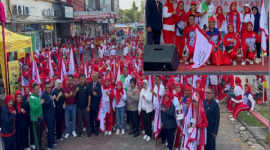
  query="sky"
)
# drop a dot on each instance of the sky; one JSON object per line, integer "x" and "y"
{"x": 126, "y": 4}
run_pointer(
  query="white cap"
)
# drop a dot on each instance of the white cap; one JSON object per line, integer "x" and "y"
{"x": 247, "y": 5}
{"x": 108, "y": 68}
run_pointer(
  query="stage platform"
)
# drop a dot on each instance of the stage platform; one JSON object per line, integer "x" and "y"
{"x": 255, "y": 69}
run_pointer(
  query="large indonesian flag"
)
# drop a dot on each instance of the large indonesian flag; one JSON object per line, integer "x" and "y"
{"x": 102, "y": 113}
{"x": 263, "y": 28}
{"x": 203, "y": 48}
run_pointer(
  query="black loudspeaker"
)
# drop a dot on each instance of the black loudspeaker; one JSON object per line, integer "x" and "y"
{"x": 160, "y": 58}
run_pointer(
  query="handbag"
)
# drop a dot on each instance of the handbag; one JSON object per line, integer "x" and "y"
{"x": 217, "y": 58}
{"x": 227, "y": 48}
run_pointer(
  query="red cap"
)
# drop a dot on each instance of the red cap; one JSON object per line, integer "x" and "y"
{"x": 211, "y": 19}
{"x": 76, "y": 75}
{"x": 193, "y": 3}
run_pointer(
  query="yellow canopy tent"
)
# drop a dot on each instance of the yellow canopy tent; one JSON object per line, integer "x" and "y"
{"x": 13, "y": 42}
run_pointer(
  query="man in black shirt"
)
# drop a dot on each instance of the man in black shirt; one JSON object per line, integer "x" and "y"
{"x": 83, "y": 103}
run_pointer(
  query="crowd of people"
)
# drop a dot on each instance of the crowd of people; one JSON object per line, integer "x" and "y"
{"x": 232, "y": 34}
{"x": 188, "y": 108}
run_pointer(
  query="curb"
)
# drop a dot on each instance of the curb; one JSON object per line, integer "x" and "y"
{"x": 254, "y": 134}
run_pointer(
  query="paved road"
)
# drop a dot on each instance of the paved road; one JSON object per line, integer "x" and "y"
{"x": 226, "y": 140}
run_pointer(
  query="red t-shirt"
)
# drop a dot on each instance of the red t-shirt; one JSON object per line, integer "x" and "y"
{"x": 71, "y": 100}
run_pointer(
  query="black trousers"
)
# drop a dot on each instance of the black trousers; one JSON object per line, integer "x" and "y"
{"x": 153, "y": 37}
{"x": 211, "y": 141}
{"x": 50, "y": 126}
{"x": 258, "y": 46}
{"x": 170, "y": 138}
{"x": 128, "y": 117}
{"x": 94, "y": 123}
{"x": 163, "y": 134}
{"x": 59, "y": 116}
{"x": 21, "y": 141}
{"x": 86, "y": 114}
{"x": 30, "y": 133}
{"x": 134, "y": 119}
{"x": 147, "y": 122}
{"x": 36, "y": 126}
{"x": 9, "y": 142}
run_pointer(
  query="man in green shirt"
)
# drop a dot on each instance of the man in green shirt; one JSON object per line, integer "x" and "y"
{"x": 36, "y": 116}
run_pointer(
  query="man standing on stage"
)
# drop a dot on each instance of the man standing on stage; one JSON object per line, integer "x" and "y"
{"x": 213, "y": 116}
{"x": 205, "y": 10}
{"x": 153, "y": 17}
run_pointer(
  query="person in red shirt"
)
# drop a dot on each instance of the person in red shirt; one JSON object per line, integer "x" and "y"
{"x": 192, "y": 11}
{"x": 169, "y": 20}
{"x": 233, "y": 17}
{"x": 189, "y": 32}
{"x": 249, "y": 40}
{"x": 231, "y": 43}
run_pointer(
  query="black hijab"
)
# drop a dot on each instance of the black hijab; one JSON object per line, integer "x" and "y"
{"x": 257, "y": 20}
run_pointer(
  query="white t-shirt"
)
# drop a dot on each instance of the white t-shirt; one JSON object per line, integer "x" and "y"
{"x": 204, "y": 18}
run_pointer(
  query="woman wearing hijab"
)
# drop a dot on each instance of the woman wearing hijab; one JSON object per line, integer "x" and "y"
{"x": 178, "y": 103}
{"x": 220, "y": 24}
{"x": 21, "y": 122}
{"x": 249, "y": 40}
{"x": 248, "y": 102}
{"x": 169, "y": 19}
{"x": 168, "y": 119}
{"x": 108, "y": 96}
{"x": 256, "y": 29}
{"x": 231, "y": 43}
{"x": 238, "y": 92}
{"x": 60, "y": 106}
{"x": 233, "y": 17}
{"x": 145, "y": 108}
{"x": 192, "y": 11}
{"x": 246, "y": 18}
{"x": 8, "y": 116}
{"x": 180, "y": 25}
{"x": 168, "y": 88}
{"x": 201, "y": 122}
{"x": 228, "y": 85}
{"x": 119, "y": 106}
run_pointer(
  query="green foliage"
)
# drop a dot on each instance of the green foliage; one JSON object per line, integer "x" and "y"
{"x": 131, "y": 15}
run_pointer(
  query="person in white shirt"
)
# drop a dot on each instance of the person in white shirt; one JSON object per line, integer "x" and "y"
{"x": 220, "y": 24}
{"x": 245, "y": 18}
{"x": 101, "y": 51}
{"x": 92, "y": 48}
{"x": 145, "y": 108}
{"x": 119, "y": 106}
{"x": 125, "y": 51}
{"x": 205, "y": 11}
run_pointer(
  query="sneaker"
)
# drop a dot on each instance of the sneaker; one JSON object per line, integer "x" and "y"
{"x": 66, "y": 136}
{"x": 230, "y": 116}
{"x": 243, "y": 63}
{"x": 251, "y": 62}
{"x": 234, "y": 63}
{"x": 232, "y": 119}
{"x": 109, "y": 133}
{"x": 33, "y": 146}
{"x": 257, "y": 60}
{"x": 50, "y": 148}
{"x": 84, "y": 129}
{"x": 117, "y": 132}
{"x": 61, "y": 139}
{"x": 74, "y": 134}
{"x": 127, "y": 127}
{"x": 143, "y": 131}
{"x": 181, "y": 61}
{"x": 28, "y": 148}
{"x": 186, "y": 63}
{"x": 145, "y": 136}
{"x": 54, "y": 144}
{"x": 260, "y": 60}
{"x": 113, "y": 128}
{"x": 123, "y": 131}
{"x": 166, "y": 143}
{"x": 106, "y": 133}
{"x": 148, "y": 138}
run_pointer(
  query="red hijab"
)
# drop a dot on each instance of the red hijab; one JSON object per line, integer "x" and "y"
{"x": 238, "y": 82}
{"x": 181, "y": 94}
{"x": 113, "y": 84}
{"x": 169, "y": 85}
{"x": 31, "y": 82}
{"x": 232, "y": 33}
{"x": 118, "y": 92}
{"x": 249, "y": 89}
{"x": 18, "y": 104}
{"x": 233, "y": 12}
{"x": 184, "y": 14}
{"x": 169, "y": 102}
{"x": 7, "y": 99}
{"x": 220, "y": 17}
{"x": 104, "y": 85}
{"x": 24, "y": 89}
{"x": 169, "y": 6}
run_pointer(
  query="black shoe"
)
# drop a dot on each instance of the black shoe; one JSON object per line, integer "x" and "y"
{"x": 162, "y": 142}
{"x": 136, "y": 134}
{"x": 79, "y": 135}
{"x": 96, "y": 133}
{"x": 131, "y": 132}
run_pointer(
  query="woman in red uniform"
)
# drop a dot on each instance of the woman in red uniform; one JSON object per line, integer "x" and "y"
{"x": 231, "y": 43}
{"x": 169, "y": 20}
{"x": 233, "y": 17}
{"x": 249, "y": 40}
{"x": 180, "y": 25}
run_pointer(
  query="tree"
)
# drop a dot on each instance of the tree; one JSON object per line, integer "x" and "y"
{"x": 134, "y": 8}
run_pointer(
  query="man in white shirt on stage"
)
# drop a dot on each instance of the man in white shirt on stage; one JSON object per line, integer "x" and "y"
{"x": 205, "y": 11}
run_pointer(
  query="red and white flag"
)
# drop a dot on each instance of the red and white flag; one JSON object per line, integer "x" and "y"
{"x": 35, "y": 73}
{"x": 202, "y": 49}
{"x": 85, "y": 70}
{"x": 51, "y": 73}
{"x": 71, "y": 63}
{"x": 263, "y": 28}
{"x": 102, "y": 113}
{"x": 63, "y": 70}
{"x": 150, "y": 82}
{"x": 118, "y": 75}
{"x": 157, "y": 118}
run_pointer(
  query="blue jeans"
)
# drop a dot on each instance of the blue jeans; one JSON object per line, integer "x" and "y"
{"x": 120, "y": 117}
{"x": 221, "y": 44}
{"x": 70, "y": 111}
